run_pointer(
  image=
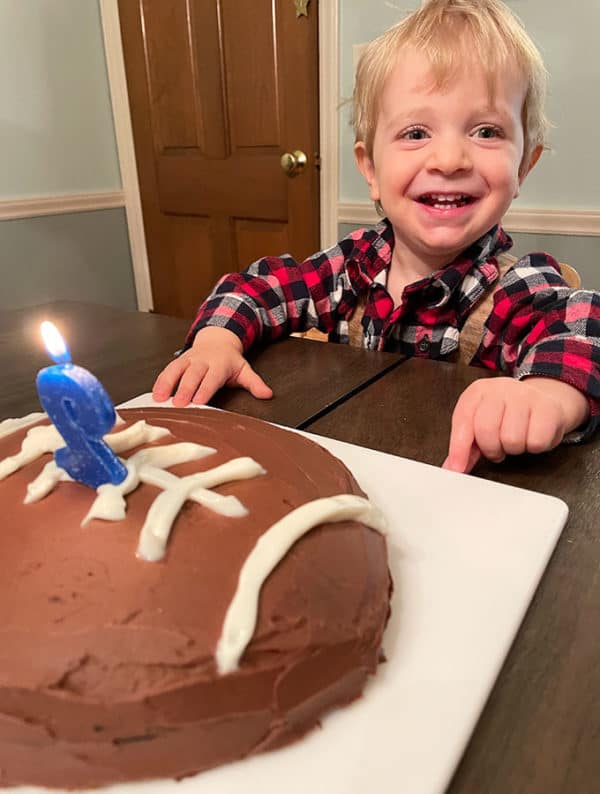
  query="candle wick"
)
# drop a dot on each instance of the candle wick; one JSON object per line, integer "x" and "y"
{"x": 62, "y": 358}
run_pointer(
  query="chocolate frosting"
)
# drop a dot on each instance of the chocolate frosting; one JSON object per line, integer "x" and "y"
{"x": 107, "y": 669}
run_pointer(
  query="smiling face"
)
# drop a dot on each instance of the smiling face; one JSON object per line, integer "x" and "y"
{"x": 445, "y": 162}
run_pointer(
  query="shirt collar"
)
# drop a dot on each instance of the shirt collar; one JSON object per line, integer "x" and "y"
{"x": 479, "y": 260}
{"x": 372, "y": 255}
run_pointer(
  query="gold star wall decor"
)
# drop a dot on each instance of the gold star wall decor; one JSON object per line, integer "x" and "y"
{"x": 301, "y": 7}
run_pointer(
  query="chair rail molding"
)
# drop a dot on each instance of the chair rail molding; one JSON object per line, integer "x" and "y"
{"x": 35, "y": 207}
{"x": 553, "y": 221}
{"x": 585, "y": 223}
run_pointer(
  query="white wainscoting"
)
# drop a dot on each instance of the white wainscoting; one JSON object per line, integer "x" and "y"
{"x": 584, "y": 223}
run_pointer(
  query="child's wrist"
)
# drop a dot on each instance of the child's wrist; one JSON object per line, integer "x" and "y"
{"x": 574, "y": 403}
{"x": 218, "y": 334}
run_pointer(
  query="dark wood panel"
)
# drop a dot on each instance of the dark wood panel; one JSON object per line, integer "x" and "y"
{"x": 255, "y": 239}
{"x": 193, "y": 238}
{"x": 251, "y": 74}
{"x": 414, "y": 413}
{"x": 169, "y": 60}
{"x": 540, "y": 731}
{"x": 307, "y": 379}
{"x": 249, "y": 186}
{"x": 207, "y": 44}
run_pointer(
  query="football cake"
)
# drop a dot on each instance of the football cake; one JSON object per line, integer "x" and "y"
{"x": 216, "y": 604}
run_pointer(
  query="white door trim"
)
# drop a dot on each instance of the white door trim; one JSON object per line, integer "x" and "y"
{"x": 328, "y": 119}
{"x": 115, "y": 65}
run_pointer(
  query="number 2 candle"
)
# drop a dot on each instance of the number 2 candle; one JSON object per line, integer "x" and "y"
{"x": 82, "y": 412}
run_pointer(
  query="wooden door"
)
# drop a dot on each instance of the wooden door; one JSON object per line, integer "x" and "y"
{"x": 219, "y": 91}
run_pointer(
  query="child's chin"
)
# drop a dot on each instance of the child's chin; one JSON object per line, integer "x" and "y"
{"x": 446, "y": 243}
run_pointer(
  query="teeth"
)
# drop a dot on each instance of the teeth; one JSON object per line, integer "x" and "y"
{"x": 439, "y": 197}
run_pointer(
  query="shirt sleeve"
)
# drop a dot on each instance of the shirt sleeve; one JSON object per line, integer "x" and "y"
{"x": 276, "y": 296}
{"x": 539, "y": 326}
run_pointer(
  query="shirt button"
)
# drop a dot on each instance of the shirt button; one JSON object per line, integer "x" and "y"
{"x": 423, "y": 345}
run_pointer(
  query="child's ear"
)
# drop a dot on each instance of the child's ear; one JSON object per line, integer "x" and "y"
{"x": 365, "y": 165}
{"x": 526, "y": 167}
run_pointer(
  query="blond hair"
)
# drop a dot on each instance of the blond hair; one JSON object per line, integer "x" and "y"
{"x": 442, "y": 29}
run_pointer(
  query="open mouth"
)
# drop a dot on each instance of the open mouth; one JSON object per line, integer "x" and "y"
{"x": 446, "y": 201}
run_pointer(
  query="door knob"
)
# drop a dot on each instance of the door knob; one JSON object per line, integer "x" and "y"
{"x": 293, "y": 163}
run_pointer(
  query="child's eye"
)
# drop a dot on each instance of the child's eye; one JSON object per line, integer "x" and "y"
{"x": 489, "y": 131}
{"x": 413, "y": 134}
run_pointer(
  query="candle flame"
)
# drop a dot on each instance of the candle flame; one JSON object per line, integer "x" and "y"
{"x": 55, "y": 344}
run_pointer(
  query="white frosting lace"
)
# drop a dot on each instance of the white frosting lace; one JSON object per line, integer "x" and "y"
{"x": 271, "y": 547}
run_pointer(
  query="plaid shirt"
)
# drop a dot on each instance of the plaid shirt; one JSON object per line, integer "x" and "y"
{"x": 538, "y": 326}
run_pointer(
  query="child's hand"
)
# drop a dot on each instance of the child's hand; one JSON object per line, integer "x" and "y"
{"x": 214, "y": 360}
{"x": 504, "y": 416}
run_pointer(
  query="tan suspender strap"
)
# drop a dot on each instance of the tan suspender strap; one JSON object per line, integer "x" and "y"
{"x": 355, "y": 329}
{"x": 471, "y": 333}
{"x": 472, "y": 330}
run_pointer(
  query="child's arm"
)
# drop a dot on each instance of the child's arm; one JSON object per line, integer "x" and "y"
{"x": 274, "y": 297}
{"x": 215, "y": 359}
{"x": 547, "y": 337}
{"x": 502, "y": 416}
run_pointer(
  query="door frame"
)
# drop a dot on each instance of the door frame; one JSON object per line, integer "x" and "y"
{"x": 115, "y": 66}
{"x": 328, "y": 135}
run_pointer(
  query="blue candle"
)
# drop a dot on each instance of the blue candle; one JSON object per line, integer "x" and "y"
{"x": 82, "y": 412}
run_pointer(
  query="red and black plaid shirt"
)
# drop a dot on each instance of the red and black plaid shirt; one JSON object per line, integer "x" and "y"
{"x": 538, "y": 325}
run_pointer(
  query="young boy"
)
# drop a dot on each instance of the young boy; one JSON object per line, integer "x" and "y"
{"x": 448, "y": 115}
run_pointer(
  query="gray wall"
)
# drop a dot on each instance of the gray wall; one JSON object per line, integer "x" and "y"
{"x": 360, "y": 21}
{"x": 583, "y": 253}
{"x": 66, "y": 257}
{"x": 56, "y": 138}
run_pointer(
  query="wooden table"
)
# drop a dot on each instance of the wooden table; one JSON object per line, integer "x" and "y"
{"x": 540, "y": 731}
{"x": 127, "y": 350}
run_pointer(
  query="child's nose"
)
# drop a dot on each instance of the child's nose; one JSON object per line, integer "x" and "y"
{"x": 448, "y": 155}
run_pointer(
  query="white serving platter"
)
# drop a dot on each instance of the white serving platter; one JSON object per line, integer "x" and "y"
{"x": 466, "y": 556}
